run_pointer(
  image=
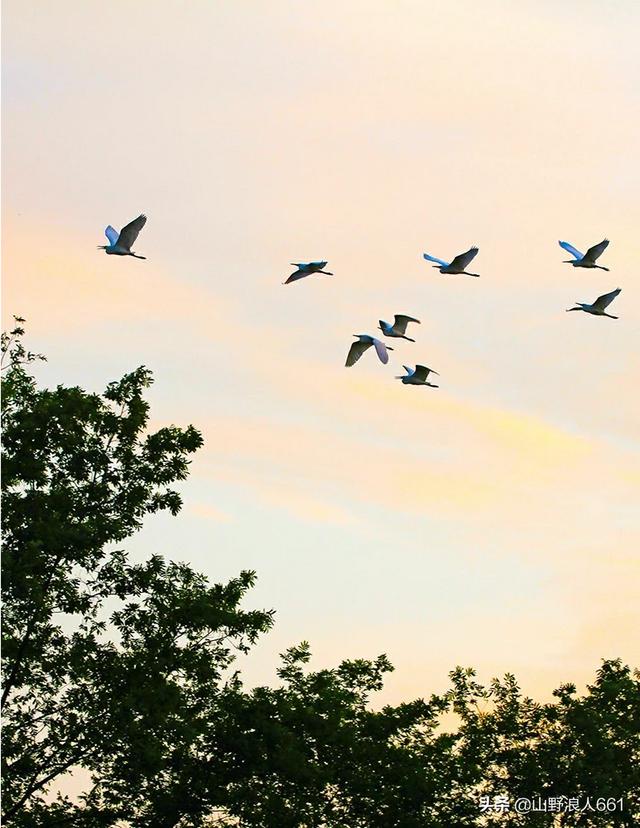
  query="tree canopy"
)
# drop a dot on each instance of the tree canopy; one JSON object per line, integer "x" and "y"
{"x": 122, "y": 673}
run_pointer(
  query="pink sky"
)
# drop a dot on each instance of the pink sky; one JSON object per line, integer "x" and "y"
{"x": 493, "y": 522}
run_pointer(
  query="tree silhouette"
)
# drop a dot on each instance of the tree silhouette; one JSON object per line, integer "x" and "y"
{"x": 121, "y": 673}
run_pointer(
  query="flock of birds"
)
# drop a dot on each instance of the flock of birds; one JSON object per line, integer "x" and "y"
{"x": 120, "y": 245}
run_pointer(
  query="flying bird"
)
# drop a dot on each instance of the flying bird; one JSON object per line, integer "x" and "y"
{"x": 589, "y": 258}
{"x": 458, "y": 265}
{"x": 306, "y": 269}
{"x": 364, "y": 342}
{"x": 120, "y": 243}
{"x": 598, "y": 307}
{"x": 418, "y": 376}
{"x": 399, "y": 327}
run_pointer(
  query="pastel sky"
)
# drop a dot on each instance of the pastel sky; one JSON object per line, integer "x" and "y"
{"x": 492, "y": 522}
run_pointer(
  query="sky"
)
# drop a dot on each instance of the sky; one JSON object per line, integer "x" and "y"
{"x": 492, "y": 522}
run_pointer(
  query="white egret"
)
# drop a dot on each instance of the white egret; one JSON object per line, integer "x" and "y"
{"x": 589, "y": 258}
{"x": 120, "y": 243}
{"x": 399, "y": 327}
{"x": 307, "y": 269}
{"x": 597, "y": 308}
{"x": 418, "y": 376}
{"x": 364, "y": 342}
{"x": 457, "y": 265}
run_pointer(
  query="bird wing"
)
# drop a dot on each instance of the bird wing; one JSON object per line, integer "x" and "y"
{"x": 112, "y": 234}
{"x": 463, "y": 259}
{"x": 400, "y": 322}
{"x": 571, "y": 249}
{"x": 594, "y": 252}
{"x": 299, "y": 274}
{"x": 433, "y": 259}
{"x": 381, "y": 350}
{"x": 606, "y": 299}
{"x": 355, "y": 352}
{"x": 422, "y": 372}
{"x": 129, "y": 232}
{"x": 402, "y": 318}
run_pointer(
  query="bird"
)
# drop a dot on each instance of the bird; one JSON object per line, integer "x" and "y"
{"x": 589, "y": 258}
{"x": 364, "y": 342}
{"x": 457, "y": 265}
{"x": 120, "y": 244}
{"x": 597, "y": 308}
{"x": 418, "y": 376}
{"x": 399, "y": 327}
{"x": 306, "y": 269}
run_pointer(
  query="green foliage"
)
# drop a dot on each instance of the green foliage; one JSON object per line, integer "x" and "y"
{"x": 108, "y": 666}
{"x": 121, "y": 672}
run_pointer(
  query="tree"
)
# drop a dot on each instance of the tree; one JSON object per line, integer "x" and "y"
{"x": 123, "y": 671}
{"x": 108, "y": 666}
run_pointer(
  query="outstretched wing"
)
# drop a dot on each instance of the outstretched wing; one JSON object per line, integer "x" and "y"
{"x": 130, "y": 232}
{"x": 381, "y": 350}
{"x": 401, "y": 318}
{"x": 355, "y": 352}
{"x": 571, "y": 249}
{"x": 433, "y": 259}
{"x": 593, "y": 252}
{"x": 400, "y": 322}
{"x": 464, "y": 259}
{"x": 422, "y": 372}
{"x": 606, "y": 299}
{"x": 299, "y": 274}
{"x": 112, "y": 234}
